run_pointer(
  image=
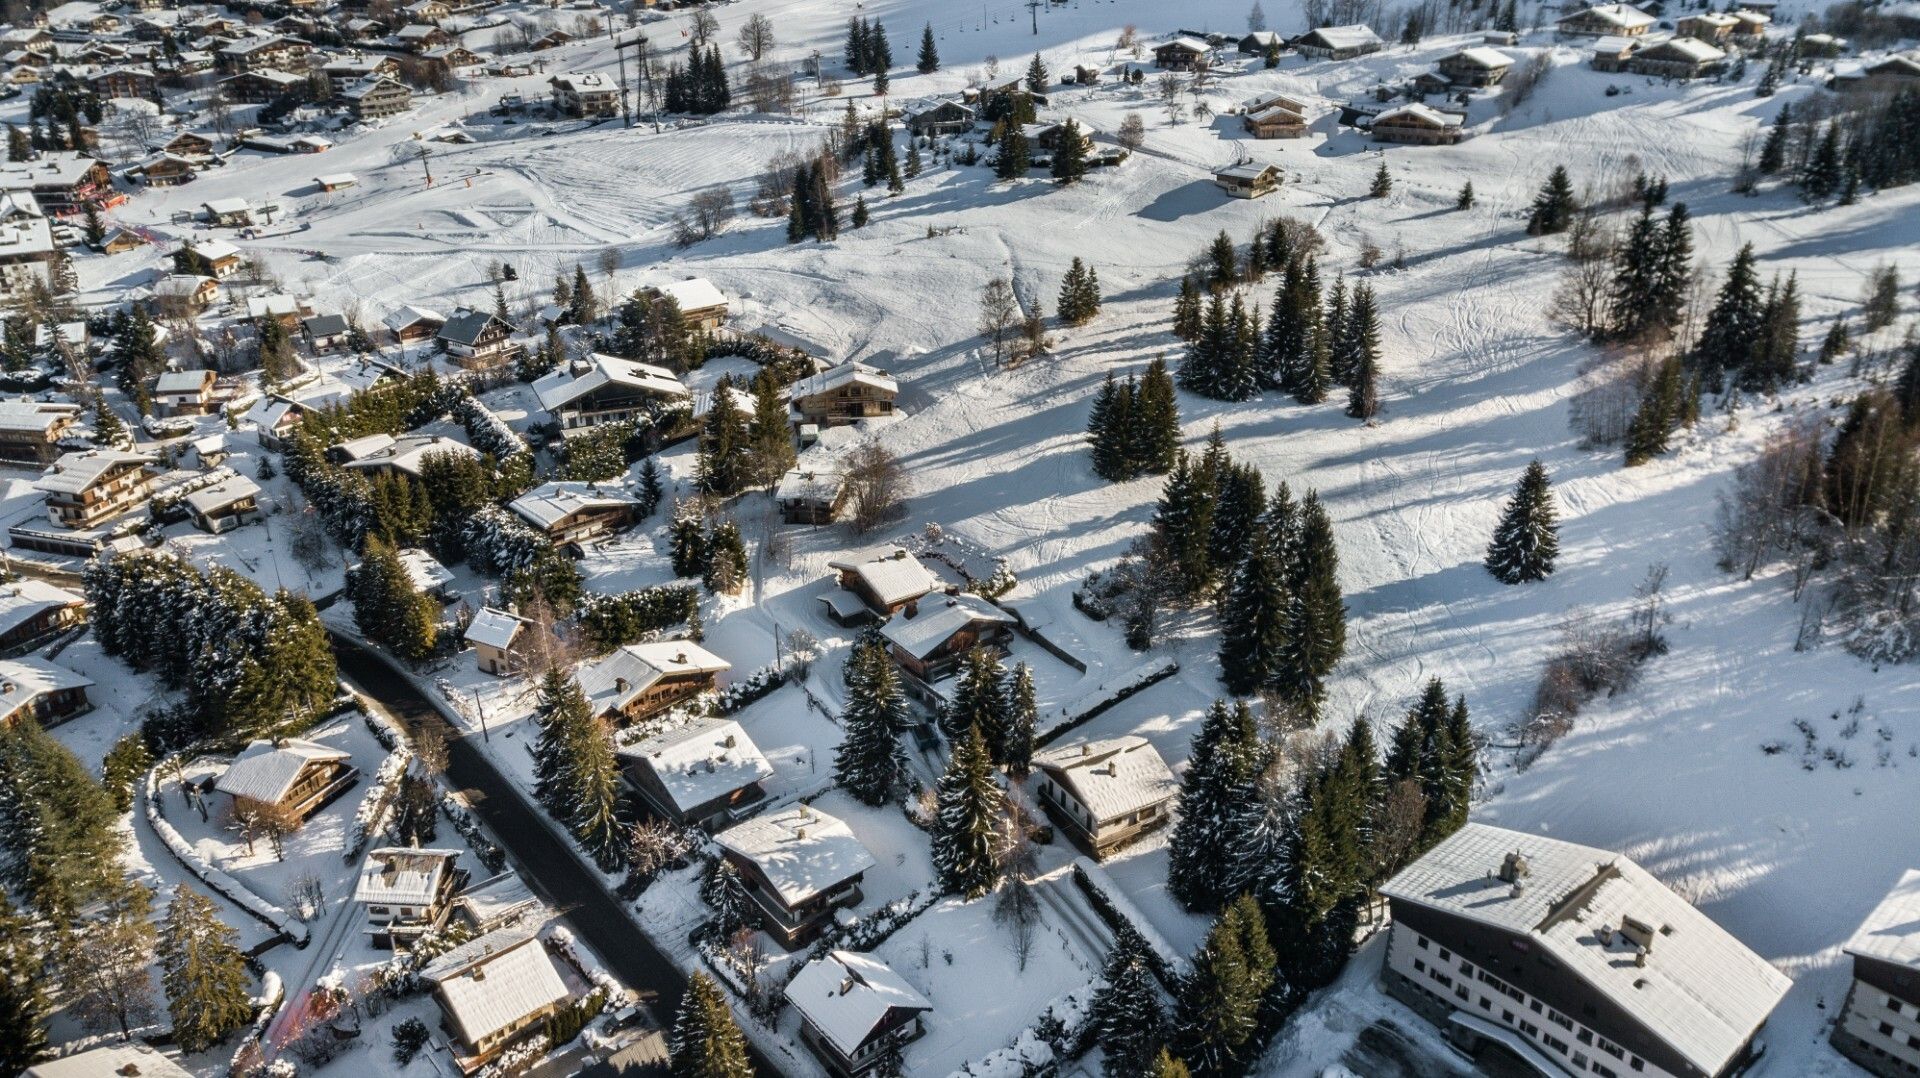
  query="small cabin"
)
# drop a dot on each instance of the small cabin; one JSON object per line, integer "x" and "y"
{"x": 1248, "y": 181}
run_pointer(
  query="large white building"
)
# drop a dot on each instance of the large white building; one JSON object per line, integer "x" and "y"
{"x": 1571, "y": 960}
{"x": 1880, "y": 1025}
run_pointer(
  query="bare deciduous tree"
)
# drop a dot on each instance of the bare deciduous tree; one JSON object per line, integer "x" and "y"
{"x": 876, "y": 487}
{"x": 1133, "y": 131}
{"x": 1579, "y": 301}
{"x": 999, "y": 310}
{"x": 1017, "y": 907}
{"x": 104, "y": 970}
{"x": 756, "y": 36}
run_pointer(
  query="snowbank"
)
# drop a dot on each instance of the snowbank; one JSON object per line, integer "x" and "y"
{"x": 273, "y": 916}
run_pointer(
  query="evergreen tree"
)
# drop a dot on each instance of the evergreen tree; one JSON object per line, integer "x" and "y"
{"x": 387, "y": 608}
{"x": 1527, "y": 540}
{"x": 1775, "y": 354}
{"x": 879, "y": 57}
{"x": 1317, "y": 618}
{"x": 1215, "y": 794}
{"x": 724, "y": 465}
{"x": 1183, "y": 528}
{"x": 1675, "y": 273}
{"x": 726, "y": 895}
{"x": 108, "y": 430}
{"x": 705, "y": 1042}
{"x": 1382, "y": 185}
{"x": 1554, "y": 206}
{"x": 1070, "y": 160}
{"x": 726, "y": 569}
{"x": 1186, "y": 312}
{"x": 1108, "y": 429}
{"x": 1836, "y": 342}
{"x": 858, "y": 55}
{"x": 96, "y": 225}
{"x": 23, "y": 1004}
{"x": 1239, "y": 500}
{"x": 871, "y": 763}
{"x": 1733, "y": 327}
{"x": 1223, "y": 263}
{"x": 1254, "y": 618}
{"x": 584, "y": 307}
{"x": 772, "y": 438}
{"x": 593, "y": 794}
{"x": 1126, "y": 1018}
{"x": 1155, "y": 421}
{"x": 861, "y": 215}
{"x": 1658, "y": 414}
{"x": 1638, "y": 262}
{"x": 1023, "y": 716}
{"x": 1362, "y": 340}
{"x": 1465, "y": 199}
{"x": 980, "y": 703}
{"x": 1220, "y": 1000}
{"x": 1165, "y": 1065}
{"x": 561, "y": 712}
{"x": 1773, "y": 153}
{"x": 689, "y": 544}
{"x": 19, "y": 146}
{"x": 970, "y": 806}
{"x": 929, "y": 61}
{"x": 1012, "y": 161}
{"x": 1079, "y": 295}
{"x": 1823, "y": 174}
{"x": 203, "y": 972}
{"x": 1037, "y": 79}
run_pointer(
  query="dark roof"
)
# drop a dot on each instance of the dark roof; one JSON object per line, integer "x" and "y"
{"x": 465, "y": 327}
{"x": 326, "y": 325}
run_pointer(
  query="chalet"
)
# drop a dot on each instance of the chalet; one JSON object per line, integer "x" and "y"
{"x": 377, "y": 97}
{"x": 86, "y": 489}
{"x": 190, "y": 144}
{"x": 929, "y": 639}
{"x": 983, "y": 97}
{"x": 285, "y": 54}
{"x": 841, "y": 395}
{"x": 1251, "y": 180}
{"x": 639, "y": 681}
{"x": 1419, "y": 125}
{"x": 1612, "y": 53}
{"x": 495, "y": 903}
{"x": 228, "y": 212}
{"x": 493, "y": 992}
{"x": 1049, "y": 137}
{"x": 164, "y": 169}
{"x": 27, "y": 254}
{"x": 1879, "y": 1028}
{"x": 586, "y": 393}
{"x": 701, "y": 305}
{"x": 552, "y": 39}
{"x": 33, "y": 611}
{"x": 1104, "y": 794}
{"x": 1750, "y": 26}
{"x": 30, "y": 431}
{"x": 453, "y": 57}
{"x": 184, "y": 392}
{"x": 427, "y": 575}
{"x": 216, "y": 257}
{"x": 572, "y": 514}
{"x": 46, "y": 692}
{"x": 427, "y": 10}
{"x": 1893, "y": 73}
{"x": 810, "y": 496}
{"x": 855, "y": 1011}
{"x": 1338, "y": 42}
{"x": 411, "y": 324}
{"x": 407, "y": 892}
{"x": 497, "y": 638}
{"x": 262, "y": 87}
{"x": 1677, "y": 58}
{"x": 1712, "y": 27}
{"x": 293, "y": 777}
{"x": 325, "y": 332}
{"x": 1606, "y": 20}
{"x": 273, "y": 417}
{"x": 477, "y": 340}
{"x": 799, "y": 865}
{"x": 279, "y": 306}
{"x": 941, "y": 118}
{"x": 1276, "y": 117}
{"x": 226, "y": 505}
{"x": 121, "y": 240}
{"x": 419, "y": 37}
{"x": 1476, "y": 66}
{"x": 1572, "y": 960}
{"x": 877, "y": 583}
{"x": 706, "y": 773}
{"x": 335, "y": 181}
{"x": 1261, "y": 42}
{"x": 1822, "y": 46}
{"x": 123, "y": 82}
{"x": 210, "y": 450}
{"x": 383, "y": 454}
{"x": 188, "y": 293}
{"x": 132, "y": 1058}
{"x": 61, "y": 181}
{"x": 584, "y": 93}
{"x": 1182, "y": 54}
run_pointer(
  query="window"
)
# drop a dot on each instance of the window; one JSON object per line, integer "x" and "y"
{"x": 1893, "y": 1005}
{"x": 1559, "y": 1019}
{"x": 1636, "y": 1064}
{"x": 1420, "y": 942}
{"x": 1466, "y": 967}
{"x": 1529, "y": 1028}
{"x": 1886, "y": 1029}
{"x": 1460, "y": 992}
{"x": 1445, "y": 954}
{"x": 1585, "y": 1036}
{"x": 1507, "y": 1017}
{"x": 1555, "y": 1043}
{"x": 1486, "y": 1004}
{"x": 1420, "y": 965}
{"x": 1603, "y": 1072}
{"x": 1580, "y": 1060}
{"x": 1536, "y": 1006}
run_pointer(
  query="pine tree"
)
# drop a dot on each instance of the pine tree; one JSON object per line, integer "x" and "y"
{"x": 970, "y": 806}
{"x": 861, "y": 215}
{"x": 1734, "y": 325}
{"x": 19, "y": 146}
{"x": 1012, "y": 161}
{"x": 203, "y": 973}
{"x": 593, "y": 794}
{"x": 1183, "y": 526}
{"x": 1239, "y": 501}
{"x": 879, "y": 57}
{"x": 1254, "y": 618}
{"x": 96, "y": 225}
{"x": 726, "y": 895}
{"x": 1154, "y": 436}
{"x": 768, "y": 430}
{"x": 561, "y": 712}
{"x": 1554, "y": 206}
{"x": 1382, "y": 185}
{"x": 23, "y": 1003}
{"x": 870, "y": 763}
{"x": 1023, "y": 717}
{"x": 1186, "y": 312}
{"x": 1527, "y": 540}
{"x": 1125, "y": 1017}
{"x": 929, "y": 61}
{"x": 387, "y": 608}
{"x": 705, "y": 1042}
{"x": 858, "y": 55}
{"x": 1037, "y": 78}
{"x": 1674, "y": 278}
{"x": 1836, "y": 342}
{"x": 1223, "y": 263}
{"x": 1070, "y": 160}
{"x": 724, "y": 465}
{"x": 1215, "y": 793}
{"x": 979, "y": 702}
{"x": 1079, "y": 295}
{"x": 1317, "y": 618}
{"x": 689, "y": 544}
{"x": 1822, "y": 176}
{"x": 1658, "y": 414}
{"x": 108, "y": 429}
{"x": 726, "y": 569}
{"x": 1773, "y": 153}
{"x": 1465, "y": 199}
{"x": 1220, "y": 1001}
{"x": 1110, "y": 458}
{"x": 914, "y": 163}
{"x": 1772, "y": 362}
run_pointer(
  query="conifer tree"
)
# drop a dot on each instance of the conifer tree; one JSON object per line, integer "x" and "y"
{"x": 1527, "y": 540}
{"x": 970, "y": 806}
{"x": 1317, "y": 617}
{"x": 1382, "y": 185}
{"x": 1126, "y": 1018}
{"x": 726, "y": 568}
{"x": 1070, "y": 160}
{"x": 705, "y": 1042}
{"x": 1836, "y": 342}
{"x": 1186, "y": 312}
{"x": 1254, "y": 618}
{"x": 108, "y": 429}
{"x": 1465, "y": 199}
{"x": 1659, "y": 412}
{"x": 1223, "y": 263}
{"x": 1111, "y": 461}
{"x": 929, "y": 61}
{"x": 870, "y": 763}
{"x": 725, "y": 893}
{"x": 1823, "y": 174}
{"x": 1220, "y": 1001}
{"x": 1023, "y": 716}
{"x": 724, "y": 465}
{"x": 1155, "y": 431}
{"x": 1773, "y": 153}
{"x": 1674, "y": 277}
{"x": 1215, "y": 793}
{"x": 1239, "y": 501}
{"x": 387, "y": 608}
{"x": 1013, "y": 159}
{"x": 861, "y": 215}
{"x": 561, "y": 712}
{"x": 1734, "y": 325}
{"x": 593, "y": 792}
{"x": 1036, "y": 75}
{"x": 203, "y": 972}
{"x": 689, "y": 543}
{"x": 1079, "y": 295}
{"x": 1363, "y": 335}
{"x": 879, "y": 57}
{"x": 1554, "y": 206}
{"x": 23, "y": 1003}
{"x": 858, "y": 55}
{"x": 1772, "y": 362}
{"x": 979, "y": 703}
{"x": 1183, "y": 528}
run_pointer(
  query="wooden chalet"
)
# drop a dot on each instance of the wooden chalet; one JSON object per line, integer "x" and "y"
{"x": 184, "y": 392}
{"x": 498, "y": 639}
{"x": 1338, "y": 42}
{"x": 292, "y": 777}
{"x": 841, "y": 395}
{"x": 1419, "y": 125}
{"x": 1276, "y": 117}
{"x": 493, "y": 993}
{"x": 638, "y": 681}
{"x": 1606, "y": 20}
{"x": 706, "y": 773}
{"x": 598, "y": 389}
{"x": 1250, "y": 180}
{"x": 1677, "y": 58}
{"x": 1182, "y": 54}
{"x": 46, "y": 692}
{"x": 1475, "y": 66}
{"x": 406, "y": 892}
{"x": 799, "y": 865}
{"x": 572, "y": 514}
{"x": 30, "y": 431}
{"x": 702, "y": 306}
{"x": 88, "y": 488}
{"x": 1104, "y": 794}
{"x": 1879, "y": 1025}
{"x": 477, "y": 340}
{"x": 941, "y": 118}
{"x": 928, "y": 640}
{"x": 877, "y": 583}
{"x": 855, "y": 1011}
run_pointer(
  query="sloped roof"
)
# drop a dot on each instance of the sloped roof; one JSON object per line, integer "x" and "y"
{"x": 844, "y": 374}
{"x": 425, "y": 570}
{"x": 1624, "y": 16}
{"x": 921, "y": 634}
{"x": 497, "y": 899}
{"x": 28, "y": 677}
{"x": 891, "y": 572}
{"x": 75, "y": 472}
{"x": 611, "y": 683}
{"x": 1352, "y": 36}
{"x": 1423, "y": 113}
{"x": 494, "y": 628}
{"x": 845, "y": 995}
{"x": 702, "y": 761}
{"x": 1690, "y": 48}
{"x": 466, "y": 326}
{"x": 563, "y": 385}
{"x": 402, "y": 875}
{"x": 1111, "y": 777}
{"x": 491, "y": 982}
{"x": 1891, "y": 933}
{"x": 408, "y": 315}
{"x": 264, "y": 772}
{"x": 222, "y": 494}
{"x": 1481, "y": 56}
{"x": 28, "y": 597}
{"x": 800, "y": 850}
{"x": 115, "y": 1059}
{"x": 550, "y": 503}
{"x": 692, "y": 294}
{"x": 1701, "y": 990}
{"x": 34, "y": 416}
{"x": 409, "y": 454}
{"x": 1184, "y": 44}
{"x": 183, "y": 381}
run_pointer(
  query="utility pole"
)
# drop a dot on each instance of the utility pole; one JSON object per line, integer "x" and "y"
{"x": 626, "y": 108}
{"x": 1033, "y": 9}
{"x": 423, "y": 153}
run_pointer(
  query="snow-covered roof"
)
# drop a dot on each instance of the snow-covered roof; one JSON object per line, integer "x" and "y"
{"x": 223, "y": 206}
{"x": 1891, "y": 933}
{"x": 693, "y": 294}
{"x": 28, "y": 597}
{"x": 35, "y": 417}
{"x": 1111, "y": 777}
{"x": 582, "y": 81}
{"x": 180, "y": 284}
{"x": 1186, "y": 44}
{"x": 1423, "y": 113}
{"x": 924, "y": 632}
{"x": 845, "y": 995}
{"x": 425, "y": 570}
{"x": 277, "y": 305}
{"x": 494, "y": 628}
{"x": 403, "y": 876}
{"x": 1711, "y": 18}
{"x": 1252, "y": 170}
{"x": 132, "y": 1058}
{"x": 29, "y": 676}
{"x": 75, "y": 472}
{"x": 1624, "y": 16}
{"x": 265, "y": 772}
{"x": 550, "y": 503}
{"x": 1615, "y": 44}
{"x": 702, "y": 761}
{"x": 809, "y": 484}
{"x": 613, "y": 682}
{"x": 492, "y": 982}
{"x": 1692, "y": 48}
{"x": 496, "y": 900}
{"x": 565, "y": 384}
{"x": 801, "y": 851}
{"x": 409, "y": 454}
{"x": 843, "y": 375}
{"x": 1483, "y": 57}
{"x": 269, "y": 411}
{"x": 214, "y": 250}
{"x": 183, "y": 381}
{"x": 408, "y": 315}
{"x": 893, "y": 574}
{"x": 1700, "y": 990}
{"x": 1752, "y": 18}
{"x": 1352, "y": 36}
{"x": 222, "y": 494}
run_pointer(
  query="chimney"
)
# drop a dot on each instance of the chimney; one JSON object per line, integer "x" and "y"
{"x": 729, "y": 741}
{"x": 1515, "y": 870}
{"x": 1086, "y": 748}
{"x": 620, "y": 684}
{"x": 800, "y": 833}
{"x": 1638, "y": 933}
{"x": 680, "y": 657}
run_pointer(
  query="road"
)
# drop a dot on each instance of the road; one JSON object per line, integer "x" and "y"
{"x": 549, "y": 866}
